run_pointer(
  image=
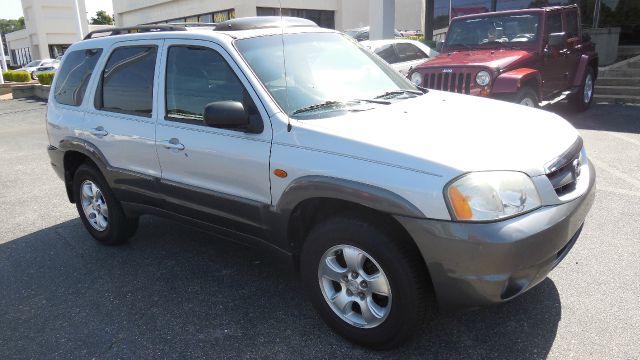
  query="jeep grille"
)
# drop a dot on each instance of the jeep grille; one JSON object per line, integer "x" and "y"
{"x": 456, "y": 81}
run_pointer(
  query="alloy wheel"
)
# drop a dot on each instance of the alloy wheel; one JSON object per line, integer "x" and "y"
{"x": 94, "y": 205}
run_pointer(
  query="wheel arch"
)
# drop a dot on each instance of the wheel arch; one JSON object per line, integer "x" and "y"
{"x": 77, "y": 152}
{"x": 511, "y": 81}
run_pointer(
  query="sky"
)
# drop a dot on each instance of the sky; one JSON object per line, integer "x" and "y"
{"x": 12, "y": 9}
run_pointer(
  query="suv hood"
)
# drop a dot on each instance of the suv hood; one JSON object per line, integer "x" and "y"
{"x": 495, "y": 59}
{"x": 444, "y": 134}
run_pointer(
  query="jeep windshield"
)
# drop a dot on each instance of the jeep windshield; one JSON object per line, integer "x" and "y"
{"x": 493, "y": 31}
{"x": 317, "y": 75}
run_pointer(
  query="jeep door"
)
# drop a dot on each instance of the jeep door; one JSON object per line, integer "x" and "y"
{"x": 574, "y": 43}
{"x": 553, "y": 67}
{"x": 216, "y": 175}
{"x": 121, "y": 120}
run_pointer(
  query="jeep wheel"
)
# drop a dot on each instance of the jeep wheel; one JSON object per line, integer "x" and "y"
{"x": 527, "y": 97}
{"x": 99, "y": 210}
{"x": 365, "y": 281}
{"x": 581, "y": 100}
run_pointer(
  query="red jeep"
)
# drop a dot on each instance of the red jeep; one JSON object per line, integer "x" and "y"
{"x": 533, "y": 57}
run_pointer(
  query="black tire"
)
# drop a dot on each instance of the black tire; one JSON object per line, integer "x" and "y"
{"x": 119, "y": 228}
{"x": 576, "y": 101}
{"x": 527, "y": 96}
{"x": 412, "y": 295}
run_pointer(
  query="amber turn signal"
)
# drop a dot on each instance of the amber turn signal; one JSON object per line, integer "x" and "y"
{"x": 459, "y": 204}
{"x": 280, "y": 173}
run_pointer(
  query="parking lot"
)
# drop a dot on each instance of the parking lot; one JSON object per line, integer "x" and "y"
{"x": 176, "y": 292}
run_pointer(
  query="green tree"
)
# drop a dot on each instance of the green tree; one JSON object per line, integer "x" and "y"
{"x": 11, "y": 25}
{"x": 102, "y": 18}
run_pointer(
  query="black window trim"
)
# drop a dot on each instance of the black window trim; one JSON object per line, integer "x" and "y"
{"x": 200, "y": 123}
{"x": 98, "y": 89}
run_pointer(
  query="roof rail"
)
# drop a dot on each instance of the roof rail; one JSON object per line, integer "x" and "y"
{"x": 134, "y": 29}
{"x": 263, "y": 22}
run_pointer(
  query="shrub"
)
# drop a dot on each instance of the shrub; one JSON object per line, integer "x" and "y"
{"x": 46, "y": 78}
{"x": 7, "y": 75}
{"x": 20, "y": 76}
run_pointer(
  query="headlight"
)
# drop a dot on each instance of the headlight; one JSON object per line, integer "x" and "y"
{"x": 491, "y": 195}
{"x": 483, "y": 78}
{"x": 416, "y": 78}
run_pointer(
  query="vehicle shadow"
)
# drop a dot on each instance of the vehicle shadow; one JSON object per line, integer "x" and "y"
{"x": 174, "y": 291}
{"x": 606, "y": 117}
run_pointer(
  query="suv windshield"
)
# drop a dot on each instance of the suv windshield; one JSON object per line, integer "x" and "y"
{"x": 493, "y": 30}
{"x": 327, "y": 74}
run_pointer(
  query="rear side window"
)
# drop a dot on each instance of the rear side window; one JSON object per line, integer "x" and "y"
{"x": 388, "y": 54}
{"x": 572, "y": 24}
{"x": 197, "y": 76}
{"x": 127, "y": 81}
{"x": 73, "y": 76}
{"x": 409, "y": 52}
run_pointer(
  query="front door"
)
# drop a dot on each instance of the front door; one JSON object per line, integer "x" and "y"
{"x": 219, "y": 176}
{"x": 554, "y": 59}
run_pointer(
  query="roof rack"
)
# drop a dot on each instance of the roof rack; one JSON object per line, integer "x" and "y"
{"x": 263, "y": 22}
{"x": 134, "y": 29}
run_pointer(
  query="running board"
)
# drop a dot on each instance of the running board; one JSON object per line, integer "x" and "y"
{"x": 562, "y": 96}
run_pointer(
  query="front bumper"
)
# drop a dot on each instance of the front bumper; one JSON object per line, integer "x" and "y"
{"x": 474, "y": 264}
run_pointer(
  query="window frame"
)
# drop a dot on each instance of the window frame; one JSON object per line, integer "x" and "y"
{"x": 565, "y": 26}
{"x": 235, "y": 68}
{"x": 97, "y": 86}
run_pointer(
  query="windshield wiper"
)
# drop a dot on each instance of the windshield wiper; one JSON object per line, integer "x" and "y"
{"x": 398, "y": 92}
{"x": 335, "y": 104}
{"x": 463, "y": 45}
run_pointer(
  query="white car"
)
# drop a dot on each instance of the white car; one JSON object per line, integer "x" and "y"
{"x": 401, "y": 54}
{"x": 286, "y": 136}
{"x": 46, "y": 68}
{"x": 34, "y": 65}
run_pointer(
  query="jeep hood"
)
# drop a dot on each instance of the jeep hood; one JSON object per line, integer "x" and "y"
{"x": 495, "y": 59}
{"x": 444, "y": 134}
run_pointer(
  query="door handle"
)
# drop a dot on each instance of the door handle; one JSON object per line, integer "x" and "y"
{"x": 99, "y": 132}
{"x": 172, "y": 144}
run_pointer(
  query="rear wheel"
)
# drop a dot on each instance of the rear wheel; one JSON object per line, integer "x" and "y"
{"x": 581, "y": 100}
{"x": 365, "y": 281}
{"x": 99, "y": 210}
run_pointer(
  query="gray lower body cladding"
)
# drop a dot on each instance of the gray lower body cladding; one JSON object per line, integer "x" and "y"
{"x": 473, "y": 264}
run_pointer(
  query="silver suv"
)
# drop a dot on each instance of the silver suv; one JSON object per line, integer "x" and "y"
{"x": 390, "y": 201}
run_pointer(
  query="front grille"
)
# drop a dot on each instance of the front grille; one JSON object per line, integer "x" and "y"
{"x": 456, "y": 81}
{"x": 564, "y": 171}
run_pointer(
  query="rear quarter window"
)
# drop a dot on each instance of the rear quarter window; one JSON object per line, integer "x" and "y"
{"x": 73, "y": 76}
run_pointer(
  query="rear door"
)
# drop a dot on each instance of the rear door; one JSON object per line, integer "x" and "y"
{"x": 121, "y": 121}
{"x": 219, "y": 176}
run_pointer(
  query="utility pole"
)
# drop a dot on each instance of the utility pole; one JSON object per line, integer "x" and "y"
{"x": 596, "y": 14}
{"x": 78, "y": 21}
{"x": 3, "y": 63}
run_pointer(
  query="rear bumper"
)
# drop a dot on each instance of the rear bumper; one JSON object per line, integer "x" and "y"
{"x": 472, "y": 265}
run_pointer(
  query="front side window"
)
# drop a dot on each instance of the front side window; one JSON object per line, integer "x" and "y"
{"x": 326, "y": 72}
{"x": 127, "y": 81}
{"x": 572, "y": 24}
{"x": 73, "y": 76}
{"x": 554, "y": 23}
{"x": 197, "y": 76}
{"x": 409, "y": 52}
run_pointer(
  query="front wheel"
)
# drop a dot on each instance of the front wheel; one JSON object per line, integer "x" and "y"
{"x": 365, "y": 281}
{"x": 581, "y": 100}
{"x": 526, "y": 96}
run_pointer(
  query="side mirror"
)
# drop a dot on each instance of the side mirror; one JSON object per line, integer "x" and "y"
{"x": 557, "y": 40}
{"x": 229, "y": 115}
{"x": 439, "y": 46}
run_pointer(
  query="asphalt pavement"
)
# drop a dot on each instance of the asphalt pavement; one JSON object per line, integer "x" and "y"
{"x": 177, "y": 292}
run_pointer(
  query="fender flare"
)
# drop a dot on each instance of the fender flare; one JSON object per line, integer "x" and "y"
{"x": 511, "y": 81}
{"x": 582, "y": 68}
{"x": 72, "y": 143}
{"x": 371, "y": 196}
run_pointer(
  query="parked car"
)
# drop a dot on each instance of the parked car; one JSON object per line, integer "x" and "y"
{"x": 34, "y": 65}
{"x": 533, "y": 57}
{"x": 387, "y": 214}
{"x": 402, "y": 54}
{"x": 50, "y": 67}
{"x": 362, "y": 33}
